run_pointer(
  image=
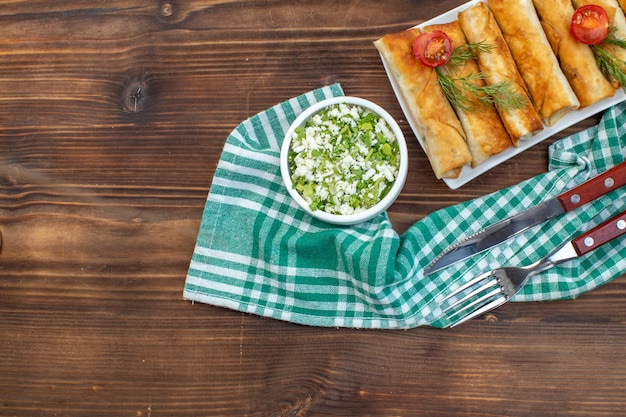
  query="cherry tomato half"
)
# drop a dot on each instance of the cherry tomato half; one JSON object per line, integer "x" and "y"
{"x": 432, "y": 49}
{"x": 590, "y": 24}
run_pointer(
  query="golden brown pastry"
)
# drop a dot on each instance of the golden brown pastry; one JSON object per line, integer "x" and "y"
{"x": 498, "y": 66}
{"x": 577, "y": 59}
{"x": 437, "y": 124}
{"x": 617, "y": 21}
{"x": 484, "y": 131}
{"x": 549, "y": 90}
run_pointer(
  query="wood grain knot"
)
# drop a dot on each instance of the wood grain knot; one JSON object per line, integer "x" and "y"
{"x": 135, "y": 96}
{"x": 167, "y": 9}
{"x": 491, "y": 318}
{"x": 14, "y": 173}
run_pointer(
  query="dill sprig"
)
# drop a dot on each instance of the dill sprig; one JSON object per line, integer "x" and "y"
{"x": 463, "y": 53}
{"x": 457, "y": 88}
{"x": 610, "y": 65}
{"x": 614, "y": 40}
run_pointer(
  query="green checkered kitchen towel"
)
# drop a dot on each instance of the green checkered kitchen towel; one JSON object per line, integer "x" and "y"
{"x": 257, "y": 252}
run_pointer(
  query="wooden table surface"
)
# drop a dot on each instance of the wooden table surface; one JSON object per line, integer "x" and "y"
{"x": 112, "y": 119}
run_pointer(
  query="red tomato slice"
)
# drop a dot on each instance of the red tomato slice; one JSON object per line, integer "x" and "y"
{"x": 432, "y": 49}
{"x": 590, "y": 24}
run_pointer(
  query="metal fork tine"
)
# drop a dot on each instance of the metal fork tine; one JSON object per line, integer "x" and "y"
{"x": 489, "y": 306}
{"x": 480, "y": 300}
{"x": 466, "y": 286}
{"x": 488, "y": 284}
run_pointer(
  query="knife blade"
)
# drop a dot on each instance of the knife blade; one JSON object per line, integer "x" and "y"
{"x": 505, "y": 229}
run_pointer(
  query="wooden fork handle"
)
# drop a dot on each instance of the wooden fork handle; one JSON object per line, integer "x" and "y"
{"x": 597, "y": 186}
{"x": 601, "y": 234}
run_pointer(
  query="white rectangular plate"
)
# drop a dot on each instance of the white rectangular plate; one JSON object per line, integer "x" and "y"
{"x": 468, "y": 173}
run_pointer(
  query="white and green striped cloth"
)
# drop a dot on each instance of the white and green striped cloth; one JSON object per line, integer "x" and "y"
{"x": 257, "y": 252}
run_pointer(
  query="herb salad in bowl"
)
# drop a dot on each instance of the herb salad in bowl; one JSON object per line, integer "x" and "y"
{"x": 344, "y": 160}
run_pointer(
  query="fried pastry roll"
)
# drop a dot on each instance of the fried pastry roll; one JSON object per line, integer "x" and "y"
{"x": 498, "y": 66}
{"x": 577, "y": 59}
{"x": 436, "y": 121}
{"x": 549, "y": 89}
{"x": 617, "y": 20}
{"x": 484, "y": 131}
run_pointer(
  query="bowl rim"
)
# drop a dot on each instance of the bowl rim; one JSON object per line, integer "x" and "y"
{"x": 385, "y": 202}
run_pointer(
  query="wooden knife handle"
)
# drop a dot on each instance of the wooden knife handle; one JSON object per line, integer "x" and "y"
{"x": 594, "y": 188}
{"x": 601, "y": 234}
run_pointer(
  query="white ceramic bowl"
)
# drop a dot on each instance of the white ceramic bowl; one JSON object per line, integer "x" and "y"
{"x": 385, "y": 202}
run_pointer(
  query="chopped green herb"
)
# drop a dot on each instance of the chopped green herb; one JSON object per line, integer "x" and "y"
{"x": 611, "y": 66}
{"x": 460, "y": 90}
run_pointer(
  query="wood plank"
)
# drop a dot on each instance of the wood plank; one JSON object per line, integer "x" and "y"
{"x": 112, "y": 120}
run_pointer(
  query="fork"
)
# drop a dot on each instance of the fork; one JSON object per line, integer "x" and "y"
{"x": 493, "y": 288}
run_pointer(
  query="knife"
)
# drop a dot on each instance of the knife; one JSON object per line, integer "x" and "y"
{"x": 514, "y": 225}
